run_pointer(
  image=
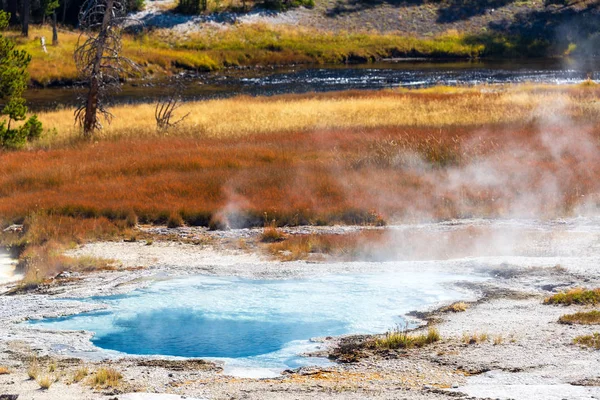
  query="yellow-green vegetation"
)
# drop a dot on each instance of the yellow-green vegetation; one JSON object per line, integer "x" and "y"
{"x": 4, "y": 370}
{"x": 579, "y": 296}
{"x": 400, "y": 339}
{"x": 81, "y": 373}
{"x": 164, "y": 52}
{"x": 592, "y": 341}
{"x": 106, "y": 377}
{"x": 498, "y": 339}
{"x": 582, "y": 318}
{"x": 45, "y": 382}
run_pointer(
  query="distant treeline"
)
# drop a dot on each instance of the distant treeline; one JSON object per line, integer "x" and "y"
{"x": 67, "y": 12}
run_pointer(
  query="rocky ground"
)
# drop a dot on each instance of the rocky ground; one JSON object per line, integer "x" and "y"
{"x": 506, "y": 344}
{"x": 420, "y": 18}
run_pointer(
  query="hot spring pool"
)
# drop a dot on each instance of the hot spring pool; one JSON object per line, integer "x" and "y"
{"x": 257, "y": 326}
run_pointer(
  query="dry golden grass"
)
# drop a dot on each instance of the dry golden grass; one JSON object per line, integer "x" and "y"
{"x": 33, "y": 370}
{"x": 476, "y": 338}
{"x": 106, "y": 377}
{"x": 245, "y": 116}
{"x": 81, "y": 373}
{"x": 45, "y": 382}
{"x": 4, "y": 370}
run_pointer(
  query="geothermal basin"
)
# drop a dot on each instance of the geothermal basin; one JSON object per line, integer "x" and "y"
{"x": 257, "y": 327}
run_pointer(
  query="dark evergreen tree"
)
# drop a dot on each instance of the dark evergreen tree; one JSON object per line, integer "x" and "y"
{"x": 13, "y": 82}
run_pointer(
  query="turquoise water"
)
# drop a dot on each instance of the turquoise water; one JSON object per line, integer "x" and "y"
{"x": 263, "y": 324}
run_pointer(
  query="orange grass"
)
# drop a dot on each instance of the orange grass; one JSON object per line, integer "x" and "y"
{"x": 352, "y": 158}
{"x": 301, "y": 178}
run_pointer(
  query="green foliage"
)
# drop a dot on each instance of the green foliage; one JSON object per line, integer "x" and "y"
{"x": 50, "y": 6}
{"x": 13, "y": 82}
{"x": 135, "y": 5}
{"x": 282, "y": 5}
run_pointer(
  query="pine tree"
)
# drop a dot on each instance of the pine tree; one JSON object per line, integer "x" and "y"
{"x": 13, "y": 82}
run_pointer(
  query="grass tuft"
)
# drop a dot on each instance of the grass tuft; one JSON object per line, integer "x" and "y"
{"x": 33, "y": 370}
{"x": 81, "y": 373}
{"x": 592, "y": 341}
{"x": 475, "y": 337}
{"x": 579, "y": 296}
{"x": 45, "y": 382}
{"x": 106, "y": 377}
{"x": 400, "y": 339}
{"x": 581, "y": 318}
{"x": 4, "y": 370}
{"x": 271, "y": 235}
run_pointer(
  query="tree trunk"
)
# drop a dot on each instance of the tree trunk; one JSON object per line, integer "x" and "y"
{"x": 65, "y": 4}
{"x": 25, "y": 17}
{"x": 91, "y": 108}
{"x": 12, "y": 9}
{"x": 54, "y": 30}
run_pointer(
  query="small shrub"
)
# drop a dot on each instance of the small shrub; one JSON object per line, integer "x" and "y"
{"x": 498, "y": 339}
{"x": 174, "y": 221}
{"x": 578, "y": 296}
{"x": 45, "y": 382}
{"x": 106, "y": 377}
{"x": 81, "y": 373}
{"x": 592, "y": 341}
{"x": 582, "y": 318}
{"x": 4, "y": 370}
{"x": 399, "y": 339}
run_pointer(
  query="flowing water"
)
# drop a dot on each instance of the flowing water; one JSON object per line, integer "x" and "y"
{"x": 303, "y": 79}
{"x": 258, "y": 327}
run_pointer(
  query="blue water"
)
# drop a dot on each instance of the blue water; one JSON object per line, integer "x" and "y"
{"x": 254, "y": 323}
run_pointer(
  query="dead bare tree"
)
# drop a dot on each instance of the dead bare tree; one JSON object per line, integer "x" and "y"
{"x": 98, "y": 59}
{"x": 164, "y": 111}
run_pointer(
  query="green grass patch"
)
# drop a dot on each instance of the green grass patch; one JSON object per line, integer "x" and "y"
{"x": 579, "y": 296}
{"x": 592, "y": 341}
{"x": 581, "y": 318}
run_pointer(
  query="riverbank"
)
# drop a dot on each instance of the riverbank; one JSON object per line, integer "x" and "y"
{"x": 161, "y": 53}
{"x": 519, "y": 346}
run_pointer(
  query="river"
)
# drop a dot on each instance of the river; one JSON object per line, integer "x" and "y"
{"x": 303, "y": 79}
